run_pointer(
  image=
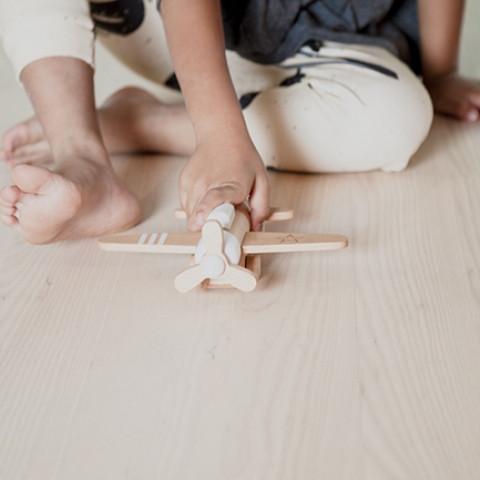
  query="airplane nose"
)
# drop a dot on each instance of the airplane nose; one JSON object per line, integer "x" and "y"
{"x": 213, "y": 266}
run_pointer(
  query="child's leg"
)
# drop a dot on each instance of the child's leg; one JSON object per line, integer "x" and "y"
{"x": 82, "y": 197}
{"x": 334, "y": 117}
{"x": 131, "y": 119}
{"x": 341, "y": 117}
{"x": 330, "y": 117}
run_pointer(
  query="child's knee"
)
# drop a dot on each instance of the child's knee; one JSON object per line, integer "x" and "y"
{"x": 405, "y": 115}
{"x": 391, "y": 126}
{"x": 350, "y": 124}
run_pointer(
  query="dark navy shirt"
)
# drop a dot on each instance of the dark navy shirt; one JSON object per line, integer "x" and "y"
{"x": 269, "y": 31}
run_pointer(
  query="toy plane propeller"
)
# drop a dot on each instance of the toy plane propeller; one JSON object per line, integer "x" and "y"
{"x": 225, "y": 253}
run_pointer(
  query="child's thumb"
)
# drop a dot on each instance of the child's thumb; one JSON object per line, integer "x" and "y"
{"x": 213, "y": 198}
{"x": 259, "y": 202}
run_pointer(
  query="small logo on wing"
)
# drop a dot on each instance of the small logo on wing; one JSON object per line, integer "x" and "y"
{"x": 289, "y": 238}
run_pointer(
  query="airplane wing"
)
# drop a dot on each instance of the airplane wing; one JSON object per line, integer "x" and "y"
{"x": 279, "y": 242}
{"x": 180, "y": 243}
{"x": 254, "y": 242}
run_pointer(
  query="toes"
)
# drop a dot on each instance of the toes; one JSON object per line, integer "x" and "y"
{"x": 36, "y": 154}
{"x": 10, "y": 211}
{"x": 472, "y": 115}
{"x": 47, "y": 202}
{"x": 37, "y": 181}
{"x": 10, "y": 195}
{"x": 8, "y": 220}
{"x": 6, "y": 156}
{"x": 32, "y": 149}
{"x": 31, "y": 179}
{"x": 10, "y": 205}
{"x": 21, "y": 134}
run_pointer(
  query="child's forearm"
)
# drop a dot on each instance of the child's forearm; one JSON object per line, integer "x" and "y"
{"x": 195, "y": 36}
{"x": 440, "y": 28}
{"x": 225, "y": 166}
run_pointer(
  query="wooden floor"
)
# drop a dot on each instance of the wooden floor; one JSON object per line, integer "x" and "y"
{"x": 361, "y": 364}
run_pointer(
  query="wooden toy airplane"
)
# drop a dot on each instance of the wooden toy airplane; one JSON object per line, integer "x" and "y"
{"x": 225, "y": 253}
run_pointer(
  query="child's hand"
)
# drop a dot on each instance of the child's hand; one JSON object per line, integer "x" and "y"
{"x": 456, "y": 96}
{"x": 224, "y": 171}
{"x": 225, "y": 166}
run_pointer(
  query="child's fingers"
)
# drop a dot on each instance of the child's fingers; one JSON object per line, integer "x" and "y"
{"x": 474, "y": 97}
{"x": 471, "y": 104}
{"x": 473, "y": 115}
{"x": 259, "y": 201}
{"x": 459, "y": 108}
{"x": 213, "y": 198}
{"x": 467, "y": 111}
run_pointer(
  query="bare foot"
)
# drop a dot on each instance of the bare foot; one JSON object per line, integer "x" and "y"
{"x": 131, "y": 120}
{"x": 84, "y": 201}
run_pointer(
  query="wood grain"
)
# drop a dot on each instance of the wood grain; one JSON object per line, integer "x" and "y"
{"x": 361, "y": 364}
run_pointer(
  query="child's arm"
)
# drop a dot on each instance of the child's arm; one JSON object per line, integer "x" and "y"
{"x": 440, "y": 29}
{"x": 225, "y": 166}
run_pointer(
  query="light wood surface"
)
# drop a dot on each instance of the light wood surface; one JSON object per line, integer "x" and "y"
{"x": 361, "y": 364}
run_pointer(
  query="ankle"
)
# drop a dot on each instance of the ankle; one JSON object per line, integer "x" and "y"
{"x": 87, "y": 146}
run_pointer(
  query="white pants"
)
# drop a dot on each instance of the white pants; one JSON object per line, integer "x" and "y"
{"x": 342, "y": 108}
